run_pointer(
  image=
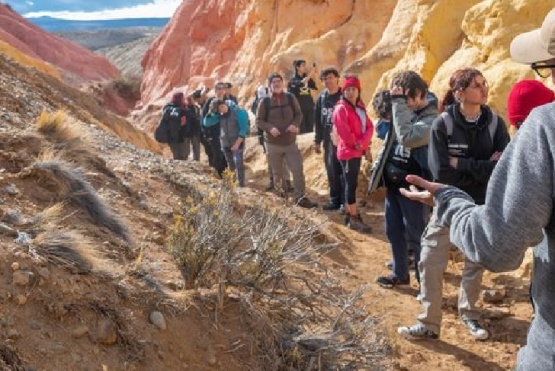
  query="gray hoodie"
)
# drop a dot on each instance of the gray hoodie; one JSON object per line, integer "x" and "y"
{"x": 518, "y": 213}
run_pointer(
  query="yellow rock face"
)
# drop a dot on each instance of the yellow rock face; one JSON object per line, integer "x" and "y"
{"x": 243, "y": 41}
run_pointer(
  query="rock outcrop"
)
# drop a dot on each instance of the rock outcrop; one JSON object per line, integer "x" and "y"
{"x": 242, "y": 41}
{"x": 76, "y": 63}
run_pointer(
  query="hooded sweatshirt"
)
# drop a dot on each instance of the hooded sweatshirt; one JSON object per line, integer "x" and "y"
{"x": 518, "y": 213}
{"x": 472, "y": 145}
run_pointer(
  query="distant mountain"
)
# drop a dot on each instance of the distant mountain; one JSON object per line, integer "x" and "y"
{"x": 57, "y": 25}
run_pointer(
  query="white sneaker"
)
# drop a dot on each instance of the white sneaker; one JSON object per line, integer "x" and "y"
{"x": 476, "y": 329}
{"x": 416, "y": 332}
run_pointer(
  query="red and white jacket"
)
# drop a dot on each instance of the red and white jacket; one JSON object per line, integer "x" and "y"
{"x": 349, "y": 129}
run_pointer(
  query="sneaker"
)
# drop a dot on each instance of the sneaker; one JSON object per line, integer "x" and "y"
{"x": 342, "y": 209}
{"x": 416, "y": 332}
{"x": 306, "y": 203}
{"x": 356, "y": 224}
{"x": 476, "y": 329}
{"x": 331, "y": 206}
{"x": 391, "y": 281}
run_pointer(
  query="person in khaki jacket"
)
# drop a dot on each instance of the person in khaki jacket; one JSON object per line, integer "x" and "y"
{"x": 280, "y": 116}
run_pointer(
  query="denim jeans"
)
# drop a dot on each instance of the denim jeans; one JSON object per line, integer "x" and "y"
{"x": 405, "y": 221}
{"x": 235, "y": 163}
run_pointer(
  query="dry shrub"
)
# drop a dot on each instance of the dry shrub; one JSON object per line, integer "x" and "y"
{"x": 128, "y": 87}
{"x": 9, "y": 360}
{"x": 302, "y": 317}
{"x": 69, "y": 184}
{"x": 65, "y": 249}
{"x": 57, "y": 127}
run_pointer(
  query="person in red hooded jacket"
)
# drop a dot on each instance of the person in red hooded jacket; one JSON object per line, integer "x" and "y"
{"x": 352, "y": 133}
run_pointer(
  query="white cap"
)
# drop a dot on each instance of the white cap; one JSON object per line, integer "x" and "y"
{"x": 262, "y": 91}
{"x": 537, "y": 45}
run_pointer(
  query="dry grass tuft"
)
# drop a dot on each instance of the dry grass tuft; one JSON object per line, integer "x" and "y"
{"x": 65, "y": 249}
{"x": 9, "y": 360}
{"x": 303, "y": 318}
{"x": 69, "y": 184}
{"x": 58, "y": 128}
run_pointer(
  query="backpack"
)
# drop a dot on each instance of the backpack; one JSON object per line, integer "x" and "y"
{"x": 268, "y": 103}
{"x": 448, "y": 120}
{"x": 161, "y": 134}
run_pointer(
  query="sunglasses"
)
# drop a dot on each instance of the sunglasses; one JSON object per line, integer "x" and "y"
{"x": 542, "y": 69}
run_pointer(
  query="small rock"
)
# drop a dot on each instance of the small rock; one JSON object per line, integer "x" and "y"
{"x": 106, "y": 332}
{"x": 44, "y": 273}
{"x": 34, "y": 325}
{"x": 158, "y": 320}
{"x": 15, "y": 266}
{"x": 13, "y": 334}
{"x": 80, "y": 331}
{"x": 22, "y": 278}
{"x": 493, "y": 296}
{"x": 11, "y": 189}
{"x": 20, "y": 299}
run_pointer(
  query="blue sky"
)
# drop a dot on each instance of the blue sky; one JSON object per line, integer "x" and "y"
{"x": 95, "y": 9}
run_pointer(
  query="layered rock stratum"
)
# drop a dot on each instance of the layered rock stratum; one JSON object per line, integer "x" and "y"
{"x": 243, "y": 41}
{"x": 75, "y": 63}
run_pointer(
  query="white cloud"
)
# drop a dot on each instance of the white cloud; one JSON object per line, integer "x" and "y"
{"x": 30, "y": 3}
{"x": 156, "y": 9}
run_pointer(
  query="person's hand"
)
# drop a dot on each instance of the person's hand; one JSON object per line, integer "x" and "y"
{"x": 368, "y": 155}
{"x": 398, "y": 90}
{"x": 425, "y": 196}
{"x": 183, "y": 120}
{"x": 316, "y": 148}
{"x": 292, "y": 129}
{"x": 275, "y": 132}
{"x": 234, "y": 147}
{"x": 496, "y": 156}
{"x": 453, "y": 162}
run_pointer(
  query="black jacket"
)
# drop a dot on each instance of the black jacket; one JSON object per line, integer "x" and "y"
{"x": 472, "y": 145}
{"x": 302, "y": 92}
{"x": 322, "y": 115}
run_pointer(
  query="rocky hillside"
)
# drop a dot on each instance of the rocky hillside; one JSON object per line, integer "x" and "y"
{"x": 243, "y": 41}
{"x": 75, "y": 63}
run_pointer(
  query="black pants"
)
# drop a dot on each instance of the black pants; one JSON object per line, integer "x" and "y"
{"x": 178, "y": 150}
{"x": 351, "y": 168}
{"x": 335, "y": 173}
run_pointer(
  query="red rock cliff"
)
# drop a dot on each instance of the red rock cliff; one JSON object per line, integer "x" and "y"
{"x": 76, "y": 63}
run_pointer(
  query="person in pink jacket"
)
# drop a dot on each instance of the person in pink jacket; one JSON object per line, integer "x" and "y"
{"x": 352, "y": 132}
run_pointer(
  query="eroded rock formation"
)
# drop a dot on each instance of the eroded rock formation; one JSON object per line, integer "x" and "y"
{"x": 76, "y": 63}
{"x": 242, "y": 41}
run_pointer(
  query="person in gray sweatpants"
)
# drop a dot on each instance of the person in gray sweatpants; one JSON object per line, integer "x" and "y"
{"x": 466, "y": 141}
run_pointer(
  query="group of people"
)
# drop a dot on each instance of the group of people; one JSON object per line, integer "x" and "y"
{"x": 499, "y": 198}
{"x": 496, "y": 218}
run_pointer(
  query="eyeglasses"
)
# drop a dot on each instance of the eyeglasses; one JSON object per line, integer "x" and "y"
{"x": 543, "y": 69}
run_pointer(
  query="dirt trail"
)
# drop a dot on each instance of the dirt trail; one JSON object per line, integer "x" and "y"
{"x": 363, "y": 257}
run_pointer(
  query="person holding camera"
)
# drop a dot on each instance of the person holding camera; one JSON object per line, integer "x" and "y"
{"x": 301, "y": 86}
{"x": 466, "y": 142}
{"x": 410, "y": 113}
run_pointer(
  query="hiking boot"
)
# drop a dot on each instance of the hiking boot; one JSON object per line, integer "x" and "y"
{"x": 269, "y": 187}
{"x": 306, "y": 203}
{"x": 476, "y": 330}
{"x": 416, "y": 332}
{"x": 356, "y": 224}
{"x": 331, "y": 206}
{"x": 391, "y": 281}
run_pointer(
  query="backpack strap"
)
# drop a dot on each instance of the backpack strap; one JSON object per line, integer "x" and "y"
{"x": 448, "y": 121}
{"x": 268, "y": 103}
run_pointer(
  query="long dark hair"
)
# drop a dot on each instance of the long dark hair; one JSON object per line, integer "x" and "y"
{"x": 460, "y": 80}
